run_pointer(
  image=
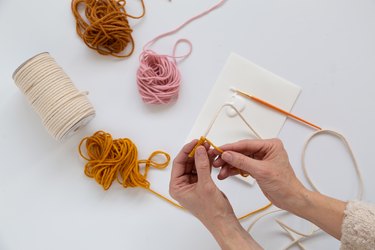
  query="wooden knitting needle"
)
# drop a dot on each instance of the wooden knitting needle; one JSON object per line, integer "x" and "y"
{"x": 251, "y": 97}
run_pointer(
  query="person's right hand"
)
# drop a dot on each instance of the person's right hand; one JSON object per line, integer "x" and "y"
{"x": 268, "y": 163}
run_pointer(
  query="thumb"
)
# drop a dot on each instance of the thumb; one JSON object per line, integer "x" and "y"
{"x": 241, "y": 161}
{"x": 202, "y": 164}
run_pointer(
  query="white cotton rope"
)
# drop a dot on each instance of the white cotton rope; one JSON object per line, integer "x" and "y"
{"x": 314, "y": 229}
{"x": 351, "y": 153}
{"x": 49, "y": 90}
{"x": 282, "y": 224}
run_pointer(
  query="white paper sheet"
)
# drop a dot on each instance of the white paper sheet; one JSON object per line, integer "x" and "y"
{"x": 246, "y": 76}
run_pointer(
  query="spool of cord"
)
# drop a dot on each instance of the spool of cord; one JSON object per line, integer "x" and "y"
{"x": 61, "y": 106}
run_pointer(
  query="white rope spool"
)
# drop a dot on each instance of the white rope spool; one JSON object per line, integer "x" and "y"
{"x": 61, "y": 106}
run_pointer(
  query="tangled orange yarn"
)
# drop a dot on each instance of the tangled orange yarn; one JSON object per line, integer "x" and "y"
{"x": 108, "y": 160}
{"x": 105, "y": 27}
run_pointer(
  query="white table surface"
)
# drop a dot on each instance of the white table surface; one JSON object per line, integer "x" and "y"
{"x": 46, "y": 201}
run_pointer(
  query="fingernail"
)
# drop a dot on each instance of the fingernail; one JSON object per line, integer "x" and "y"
{"x": 200, "y": 150}
{"x": 226, "y": 156}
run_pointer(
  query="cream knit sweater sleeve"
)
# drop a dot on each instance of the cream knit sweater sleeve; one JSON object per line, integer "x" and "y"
{"x": 358, "y": 228}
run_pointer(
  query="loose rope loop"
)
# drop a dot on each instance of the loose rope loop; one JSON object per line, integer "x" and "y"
{"x": 158, "y": 77}
{"x": 351, "y": 153}
{"x": 105, "y": 27}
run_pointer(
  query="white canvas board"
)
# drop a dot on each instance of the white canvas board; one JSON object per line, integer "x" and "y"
{"x": 246, "y": 76}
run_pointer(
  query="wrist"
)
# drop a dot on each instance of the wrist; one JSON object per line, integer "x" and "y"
{"x": 308, "y": 203}
{"x": 301, "y": 202}
{"x": 231, "y": 235}
{"x": 323, "y": 211}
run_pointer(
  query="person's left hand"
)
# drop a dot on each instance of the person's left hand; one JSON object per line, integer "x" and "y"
{"x": 192, "y": 186}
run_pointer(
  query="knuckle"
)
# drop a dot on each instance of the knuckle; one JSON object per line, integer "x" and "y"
{"x": 209, "y": 188}
{"x": 171, "y": 190}
{"x": 277, "y": 142}
{"x": 243, "y": 141}
{"x": 202, "y": 163}
{"x": 174, "y": 194}
{"x": 265, "y": 172}
{"x": 174, "y": 161}
{"x": 241, "y": 162}
{"x": 199, "y": 158}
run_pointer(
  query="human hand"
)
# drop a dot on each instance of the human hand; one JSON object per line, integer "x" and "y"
{"x": 192, "y": 186}
{"x": 268, "y": 163}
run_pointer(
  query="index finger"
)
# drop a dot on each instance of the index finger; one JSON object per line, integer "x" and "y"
{"x": 179, "y": 163}
{"x": 248, "y": 146}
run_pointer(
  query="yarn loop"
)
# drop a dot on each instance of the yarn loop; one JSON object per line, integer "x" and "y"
{"x": 105, "y": 27}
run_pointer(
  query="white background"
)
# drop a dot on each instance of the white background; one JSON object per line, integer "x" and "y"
{"x": 46, "y": 202}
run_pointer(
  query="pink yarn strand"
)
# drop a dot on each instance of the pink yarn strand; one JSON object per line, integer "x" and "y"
{"x": 158, "y": 77}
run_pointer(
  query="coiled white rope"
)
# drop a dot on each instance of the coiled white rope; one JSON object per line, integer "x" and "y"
{"x": 49, "y": 90}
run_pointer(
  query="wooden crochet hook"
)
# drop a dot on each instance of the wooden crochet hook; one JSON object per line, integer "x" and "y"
{"x": 251, "y": 97}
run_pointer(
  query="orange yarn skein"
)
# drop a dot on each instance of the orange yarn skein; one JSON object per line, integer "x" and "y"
{"x": 109, "y": 160}
{"x": 105, "y": 27}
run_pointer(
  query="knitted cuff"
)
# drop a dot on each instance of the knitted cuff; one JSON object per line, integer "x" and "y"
{"x": 358, "y": 228}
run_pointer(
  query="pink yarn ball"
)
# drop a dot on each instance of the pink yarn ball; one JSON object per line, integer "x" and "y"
{"x": 158, "y": 78}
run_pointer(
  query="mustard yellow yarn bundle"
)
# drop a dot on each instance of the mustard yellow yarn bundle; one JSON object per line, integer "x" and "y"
{"x": 111, "y": 159}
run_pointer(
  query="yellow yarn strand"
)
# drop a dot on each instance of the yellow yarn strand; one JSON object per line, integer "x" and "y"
{"x": 255, "y": 211}
{"x": 201, "y": 141}
{"x": 111, "y": 159}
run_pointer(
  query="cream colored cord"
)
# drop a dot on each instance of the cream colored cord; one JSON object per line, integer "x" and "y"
{"x": 257, "y": 135}
{"x": 347, "y": 145}
{"x": 314, "y": 229}
{"x": 61, "y": 106}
